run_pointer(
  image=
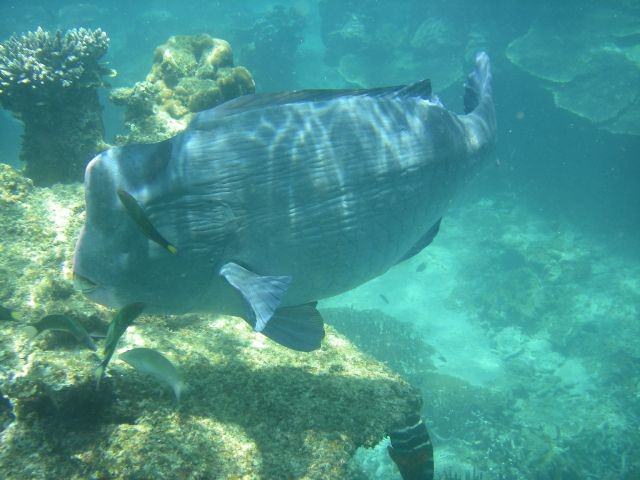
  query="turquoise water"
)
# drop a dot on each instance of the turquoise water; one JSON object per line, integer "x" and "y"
{"x": 525, "y": 309}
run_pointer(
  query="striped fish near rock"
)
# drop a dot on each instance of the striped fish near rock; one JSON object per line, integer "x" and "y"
{"x": 411, "y": 450}
{"x": 275, "y": 201}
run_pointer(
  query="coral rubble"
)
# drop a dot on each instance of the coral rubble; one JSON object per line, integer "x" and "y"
{"x": 189, "y": 74}
{"x": 49, "y": 82}
{"x": 253, "y": 409}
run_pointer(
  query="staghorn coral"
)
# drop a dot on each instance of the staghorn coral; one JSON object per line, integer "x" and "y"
{"x": 49, "y": 82}
{"x": 189, "y": 74}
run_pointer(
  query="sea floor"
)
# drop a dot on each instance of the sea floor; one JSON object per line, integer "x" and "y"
{"x": 525, "y": 344}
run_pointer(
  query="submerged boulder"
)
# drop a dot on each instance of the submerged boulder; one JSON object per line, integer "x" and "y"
{"x": 253, "y": 409}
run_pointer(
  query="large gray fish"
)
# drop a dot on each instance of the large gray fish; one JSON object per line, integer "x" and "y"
{"x": 274, "y": 201}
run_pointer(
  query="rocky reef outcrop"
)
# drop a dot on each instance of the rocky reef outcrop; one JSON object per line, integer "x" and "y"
{"x": 189, "y": 74}
{"x": 390, "y": 43}
{"x": 49, "y": 82}
{"x": 253, "y": 409}
{"x": 589, "y": 60}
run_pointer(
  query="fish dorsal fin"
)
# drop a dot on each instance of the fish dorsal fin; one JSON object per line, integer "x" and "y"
{"x": 245, "y": 103}
{"x": 421, "y": 89}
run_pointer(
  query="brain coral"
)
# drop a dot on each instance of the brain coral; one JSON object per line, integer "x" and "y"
{"x": 189, "y": 74}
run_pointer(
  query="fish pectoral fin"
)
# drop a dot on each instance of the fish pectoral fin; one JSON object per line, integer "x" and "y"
{"x": 262, "y": 293}
{"x": 299, "y": 328}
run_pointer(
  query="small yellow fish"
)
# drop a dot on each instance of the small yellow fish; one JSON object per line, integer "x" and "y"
{"x": 136, "y": 212}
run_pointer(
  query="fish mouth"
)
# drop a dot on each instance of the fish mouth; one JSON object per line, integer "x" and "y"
{"x": 83, "y": 284}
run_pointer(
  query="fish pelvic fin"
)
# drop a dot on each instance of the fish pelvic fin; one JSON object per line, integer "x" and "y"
{"x": 299, "y": 328}
{"x": 262, "y": 293}
{"x": 423, "y": 242}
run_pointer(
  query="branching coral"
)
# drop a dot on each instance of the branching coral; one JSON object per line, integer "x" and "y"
{"x": 49, "y": 82}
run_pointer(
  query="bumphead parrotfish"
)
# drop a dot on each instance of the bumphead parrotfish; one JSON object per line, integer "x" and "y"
{"x": 271, "y": 202}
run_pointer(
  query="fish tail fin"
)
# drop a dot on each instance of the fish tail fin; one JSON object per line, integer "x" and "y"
{"x": 478, "y": 85}
{"x": 411, "y": 450}
{"x": 480, "y": 115}
{"x": 99, "y": 374}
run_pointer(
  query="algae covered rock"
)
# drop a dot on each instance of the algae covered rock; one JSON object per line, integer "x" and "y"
{"x": 189, "y": 74}
{"x": 253, "y": 409}
{"x": 49, "y": 82}
{"x": 590, "y": 61}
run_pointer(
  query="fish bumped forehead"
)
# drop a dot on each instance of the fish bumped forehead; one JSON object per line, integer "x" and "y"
{"x": 137, "y": 169}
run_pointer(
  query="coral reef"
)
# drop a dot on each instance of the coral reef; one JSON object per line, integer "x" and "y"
{"x": 253, "y": 409}
{"x": 189, "y": 74}
{"x": 550, "y": 313}
{"x": 387, "y": 43}
{"x": 270, "y": 45}
{"x": 590, "y": 61}
{"x": 49, "y": 82}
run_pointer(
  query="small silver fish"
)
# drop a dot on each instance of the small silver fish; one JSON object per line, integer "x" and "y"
{"x": 152, "y": 362}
